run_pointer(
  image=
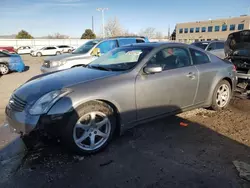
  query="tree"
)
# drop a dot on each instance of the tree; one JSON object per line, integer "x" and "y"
{"x": 23, "y": 35}
{"x": 148, "y": 32}
{"x": 113, "y": 28}
{"x": 127, "y": 33}
{"x": 159, "y": 35}
{"x": 88, "y": 34}
{"x": 58, "y": 36}
{"x": 173, "y": 35}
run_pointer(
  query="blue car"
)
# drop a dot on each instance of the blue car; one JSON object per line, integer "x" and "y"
{"x": 10, "y": 62}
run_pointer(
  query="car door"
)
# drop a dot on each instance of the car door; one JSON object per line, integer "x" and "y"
{"x": 206, "y": 73}
{"x": 51, "y": 51}
{"x": 45, "y": 51}
{"x": 20, "y": 50}
{"x": 26, "y": 50}
{"x": 170, "y": 90}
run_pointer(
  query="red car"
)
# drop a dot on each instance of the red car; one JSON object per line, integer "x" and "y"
{"x": 9, "y": 49}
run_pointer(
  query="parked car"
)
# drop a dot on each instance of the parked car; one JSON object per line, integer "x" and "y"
{"x": 48, "y": 50}
{"x": 10, "y": 62}
{"x": 66, "y": 49}
{"x": 215, "y": 47}
{"x": 87, "y": 106}
{"x": 8, "y": 49}
{"x": 87, "y": 53}
{"x": 237, "y": 50}
{"x": 25, "y": 50}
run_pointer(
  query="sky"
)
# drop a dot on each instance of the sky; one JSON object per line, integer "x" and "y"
{"x": 72, "y": 17}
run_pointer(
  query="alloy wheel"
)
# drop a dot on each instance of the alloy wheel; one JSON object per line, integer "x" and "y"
{"x": 4, "y": 69}
{"x": 223, "y": 95}
{"x": 92, "y": 131}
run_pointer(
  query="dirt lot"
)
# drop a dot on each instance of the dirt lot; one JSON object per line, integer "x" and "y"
{"x": 157, "y": 154}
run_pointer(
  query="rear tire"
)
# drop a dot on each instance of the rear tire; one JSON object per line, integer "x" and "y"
{"x": 58, "y": 53}
{"x": 4, "y": 69}
{"x": 90, "y": 128}
{"x": 39, "y": 54}
{"x": 69, "y": 51}
{"x": 222, "y": 95}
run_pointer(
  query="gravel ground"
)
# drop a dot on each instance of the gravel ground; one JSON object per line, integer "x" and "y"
{"x": 156, "y": 154}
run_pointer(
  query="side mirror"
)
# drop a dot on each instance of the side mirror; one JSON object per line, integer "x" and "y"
{"x": 152, "y": 69}
{"x": 96, "y": 52}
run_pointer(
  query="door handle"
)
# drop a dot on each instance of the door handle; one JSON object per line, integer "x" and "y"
{"x": 191, "y": 75}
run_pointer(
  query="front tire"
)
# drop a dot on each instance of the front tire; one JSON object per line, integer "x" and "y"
{"x": 58, "y": 53}
{"x": 4, "y": 69}
{"x": 39, "y": 54}
{"x": 90, "y": 129}
{"x": 222, "y": 95}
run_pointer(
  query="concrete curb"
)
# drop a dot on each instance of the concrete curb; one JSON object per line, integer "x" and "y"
{"x": 12, "y": 151}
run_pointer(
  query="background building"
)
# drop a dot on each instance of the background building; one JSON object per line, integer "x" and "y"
{"x": 211, "y": 29}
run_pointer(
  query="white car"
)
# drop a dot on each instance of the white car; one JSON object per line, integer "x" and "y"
{"x": 49, "y": 50}
{"x": 24, "y": 50}
{"x": 66, "y": 49}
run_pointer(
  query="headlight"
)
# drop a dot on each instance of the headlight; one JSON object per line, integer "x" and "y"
{"x": 57, "y": 63}
{"x": 43, "y": 104}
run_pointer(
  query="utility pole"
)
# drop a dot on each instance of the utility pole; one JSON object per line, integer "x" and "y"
{"x": 168, "y": 32}
{"x": 93, "y": 29}
{"x": 103, "y": 26}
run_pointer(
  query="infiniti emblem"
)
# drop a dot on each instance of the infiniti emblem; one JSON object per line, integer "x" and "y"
{"x": 11, "y": 101}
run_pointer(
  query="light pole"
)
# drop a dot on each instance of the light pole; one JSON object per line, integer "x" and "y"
{"x": 102, "y": 10}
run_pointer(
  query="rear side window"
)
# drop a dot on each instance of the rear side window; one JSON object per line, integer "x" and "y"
{"x": 123, "y": 42}
{"x": 140, "y": 41}
{"x": 51, "y": 48}
{"x": 3, "y": 54}
{"x": 201, "y": 45}
{"x": 62, "y": 46}
{"x": 199, "y": 57}
{"x": 220, "y": 45}
{"x": 212, "y": 46}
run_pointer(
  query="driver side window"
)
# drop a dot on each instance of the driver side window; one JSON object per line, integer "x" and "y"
{"x": 171, "y": 58}
{"x": 107, "y": 46}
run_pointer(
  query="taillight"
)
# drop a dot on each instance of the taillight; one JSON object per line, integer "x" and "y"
{"x": 234, "y": 68}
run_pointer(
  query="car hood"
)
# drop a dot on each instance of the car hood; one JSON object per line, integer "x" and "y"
{"x": 67, "y": 57}
{"x": 236, "y": 42}
{"x": 34, "y": 89}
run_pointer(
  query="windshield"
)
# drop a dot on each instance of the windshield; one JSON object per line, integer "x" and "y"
{"x": 201, "y": 45}
{"x": 86, "y": 47}
{"x": 120, "y": 59}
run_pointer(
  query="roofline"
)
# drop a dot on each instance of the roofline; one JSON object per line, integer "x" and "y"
{"x": 222, "y": 19}
{"x": 126, "y": 37}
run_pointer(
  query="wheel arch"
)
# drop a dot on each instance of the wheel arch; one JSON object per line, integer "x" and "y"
{"x": 209, "y": 101}
{"x": 114, "y": 108}
{"x": 4, "y": 62}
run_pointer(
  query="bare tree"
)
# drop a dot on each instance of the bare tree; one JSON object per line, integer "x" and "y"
{"x": 148, "y": 32}
{"x": 58, "y": 36}
{"x": 113, "y": 28}
{"x": 127, "y": 33}
{"x": 159, "y": 35}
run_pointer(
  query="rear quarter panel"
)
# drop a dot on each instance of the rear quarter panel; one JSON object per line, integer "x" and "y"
{"x": 216, "y": 71}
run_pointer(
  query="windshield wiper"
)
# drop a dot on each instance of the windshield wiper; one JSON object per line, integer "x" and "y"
{"x": 99, "y": 67}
